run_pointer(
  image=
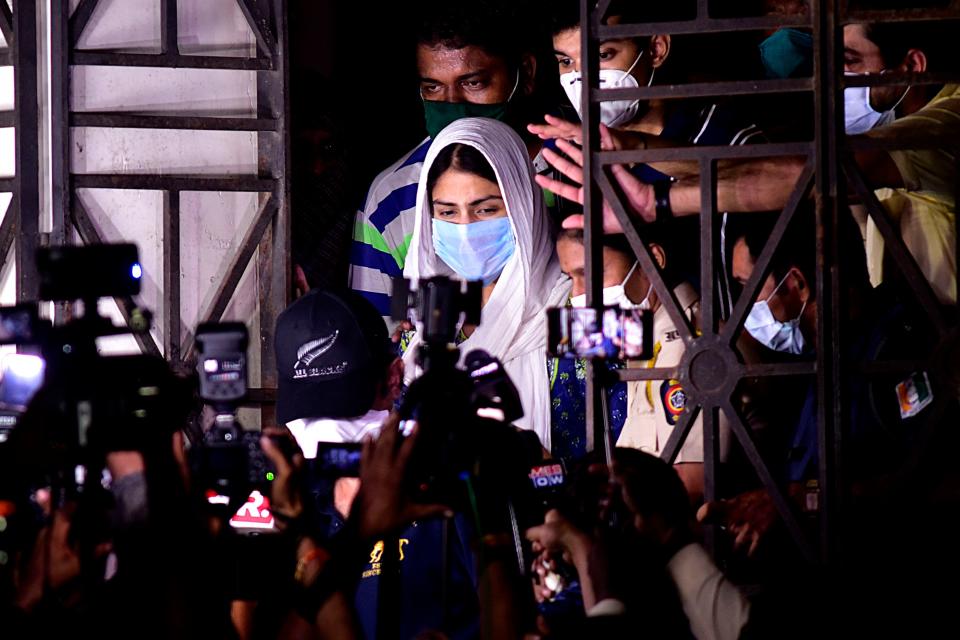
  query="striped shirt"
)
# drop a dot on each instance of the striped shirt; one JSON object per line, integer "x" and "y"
{"x": 384, "y": 227}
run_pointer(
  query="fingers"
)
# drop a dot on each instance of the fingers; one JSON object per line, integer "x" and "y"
{"x": 536, "y": 534}
{"x": 556, "y": 128}
{"x": 406, "y": 447}
{"x": 573, "y": 222}
{"x": 367, "y": 450}
{"x": 607, "y": 142}
{"x": 572, "y": 150}
{"x": 712, "y": 512}
{"x": 572, "y": 170}
{"x": 743, "y": 534}
{"x": 562, "y": 189}
{"x": 389, "y": 431}
{"x": 273, "y": 453}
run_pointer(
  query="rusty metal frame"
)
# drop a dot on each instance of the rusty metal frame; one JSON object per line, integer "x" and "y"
{"x": 711, "y": 369}
{"x": 269, "y": 232}
{"x": 20, "y": 229}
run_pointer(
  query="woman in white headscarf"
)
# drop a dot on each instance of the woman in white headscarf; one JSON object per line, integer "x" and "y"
{"x": 481, "y": 216}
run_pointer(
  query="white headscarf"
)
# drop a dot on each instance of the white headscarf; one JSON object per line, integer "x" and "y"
{"x": 513, "y": 325}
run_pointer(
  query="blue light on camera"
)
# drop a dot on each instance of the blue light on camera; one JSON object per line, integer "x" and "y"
{"x": 136, "y": 271}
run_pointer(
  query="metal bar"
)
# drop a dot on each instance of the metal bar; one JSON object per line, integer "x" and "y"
{"x": 6, "y": 57}
{"x": 140, "y": 121}
{"x": 761, "y": 267}
{"x": 8, "y": 231}
{"x": 171, "y": 276}
{"x": 89, "y": 234}
{"x": 703, "y": 10}
{"x": 8, "y": 118}
{"x": 900, "y": 79}
{"x": 81, "y": 16}
{"x": 266, "y": 41}
{"x": 902, "y": 15}
{"x": 60, "y": 83}
{"x": 708, "y": 245}
{"x": 592, "y": 211}
{"x": 779, "y": 369}
{"x": 172, "y": 182}
{"x": 113, "y": 59}
{"x": 261, "y": 395}
{"x": 679, "y": 435}
{"x": 274, "y": 253}
{"x": 654, "y": 373}
{"x": 6, "y": 22}
{"x": 893, "y": 243}
{"x": 8, "y": 184}
{"x": 828, "y": 130}
{"x": 933, "y": 139}
{"x": 704, "y": 89}
{"x": 169, "y": 41}
{"x": 711, "y": 460}
{"x": 742, "y": 433}
{"x": 699, "y": 26}
{"x": 238, "y": 265}
{"x": 647, "y": 263}
{"x": 27, "y": 148}
{"x": 705, "y": 152}
{"x": 601, "y": 11}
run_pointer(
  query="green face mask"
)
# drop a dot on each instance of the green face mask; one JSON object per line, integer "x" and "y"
{"x": 439, "y": 114}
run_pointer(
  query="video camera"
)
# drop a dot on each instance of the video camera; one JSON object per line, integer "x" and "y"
{"x": 92, "y": 405}
{"x": 468, "y": 455}
{"x": 229, "y": 462}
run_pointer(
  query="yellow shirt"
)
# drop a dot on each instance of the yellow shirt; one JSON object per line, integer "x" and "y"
{"x": 647, "y": 427}
{"x": 924, "y": 209}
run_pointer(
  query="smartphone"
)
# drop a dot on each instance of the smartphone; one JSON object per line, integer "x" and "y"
{"x": 338, "y": 459}
{"x": 614, "y": 333}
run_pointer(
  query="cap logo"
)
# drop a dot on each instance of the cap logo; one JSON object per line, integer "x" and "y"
{"x": 310, "y": 351}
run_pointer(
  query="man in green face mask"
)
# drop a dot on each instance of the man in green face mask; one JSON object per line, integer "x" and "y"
{"x": 474, "y": 59}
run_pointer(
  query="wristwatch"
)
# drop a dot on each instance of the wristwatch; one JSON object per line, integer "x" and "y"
{"x": 661, "y": 195}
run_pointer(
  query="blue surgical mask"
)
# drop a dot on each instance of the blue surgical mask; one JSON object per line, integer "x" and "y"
{"x": 779, "y": 336}
{"x": 475, "y": 251}
{"x": 787, "y": 53}
{"x": 859, "y": 115}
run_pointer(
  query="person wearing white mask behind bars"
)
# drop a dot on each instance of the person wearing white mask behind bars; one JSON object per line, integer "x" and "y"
{"x": 654, "y": 407}
{"x": 480, "y": 216}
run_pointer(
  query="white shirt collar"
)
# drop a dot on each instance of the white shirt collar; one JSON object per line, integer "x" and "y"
{"x": 309, "y": 432}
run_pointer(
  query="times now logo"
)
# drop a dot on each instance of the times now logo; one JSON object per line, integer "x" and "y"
{"x": 548, "y": 475}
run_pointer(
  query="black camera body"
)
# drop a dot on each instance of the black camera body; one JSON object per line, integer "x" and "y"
{"x": 468, "y": 455}
{"x": 229, "y": 461}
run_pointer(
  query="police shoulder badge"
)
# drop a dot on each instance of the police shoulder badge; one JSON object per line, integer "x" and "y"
{"x": 674, "y": 400}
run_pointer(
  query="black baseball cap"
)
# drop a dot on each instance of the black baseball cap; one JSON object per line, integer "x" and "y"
{"x": 332, "y": 349}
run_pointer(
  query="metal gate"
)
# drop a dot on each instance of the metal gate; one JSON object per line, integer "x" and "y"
{"x": 711, "y": 368}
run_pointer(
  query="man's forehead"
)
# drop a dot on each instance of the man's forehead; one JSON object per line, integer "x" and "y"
{"x": 855, "y": 37}
{"x": 468, "y": 59}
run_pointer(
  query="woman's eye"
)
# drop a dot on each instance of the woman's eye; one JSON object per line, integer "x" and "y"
{"x": 607, "y": 54}
{"x": 445, "y": 213}
{"x": 489, "y": 211}
{"x": 564, "y": 62}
